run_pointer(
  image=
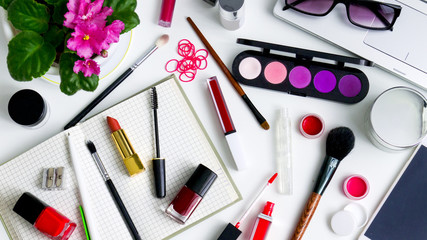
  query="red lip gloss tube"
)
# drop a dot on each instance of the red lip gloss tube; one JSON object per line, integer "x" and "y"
{"x": 262, "y": 224}
{"x": 191, "y": 194}
{"x": 43, "y": 217}
{"x": 230, "y": 132}
{"x": 166, "y": 13}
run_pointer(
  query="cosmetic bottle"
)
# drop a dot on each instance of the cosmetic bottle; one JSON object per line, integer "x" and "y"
{"x": 263, "y": 222}
{"x": 43, "y": 217}
{"x": 166, "y": 13}
{"x": 189, "y": 197}
{"x": 284, "y": 151}
{"x": 28, "y": 108}
{"x": 231, "y": 13}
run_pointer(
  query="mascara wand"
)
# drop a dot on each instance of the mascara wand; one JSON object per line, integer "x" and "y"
{"x": 159, "y": 168}
{"x": 339, "y": 144}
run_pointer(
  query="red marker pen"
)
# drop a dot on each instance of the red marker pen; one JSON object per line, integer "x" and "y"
{"x": 227, "y": 124}
{"x": 44, "y": 218}
{"x": 262, "y": 224}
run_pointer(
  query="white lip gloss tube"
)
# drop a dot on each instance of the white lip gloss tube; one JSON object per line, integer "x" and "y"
{"x": 227, "y": 124}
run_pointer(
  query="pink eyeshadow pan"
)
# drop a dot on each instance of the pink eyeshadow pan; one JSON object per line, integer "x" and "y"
{"x": 300, "y": 77}
{"x": 275, "y": 72}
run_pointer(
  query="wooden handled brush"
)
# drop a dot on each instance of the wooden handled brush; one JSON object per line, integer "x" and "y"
{"x": 339, "y": 143}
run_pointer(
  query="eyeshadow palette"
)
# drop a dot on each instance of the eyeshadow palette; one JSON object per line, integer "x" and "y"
{"x": 300, "y": 74}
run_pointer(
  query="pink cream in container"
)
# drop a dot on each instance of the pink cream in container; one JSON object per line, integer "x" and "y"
{"x": 356, "y": 187}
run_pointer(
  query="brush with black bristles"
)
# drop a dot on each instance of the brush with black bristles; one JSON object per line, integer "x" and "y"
{"x": 339, "y": 144}
{"x": 113, "y": 191}
{"x": 159, "y": 168}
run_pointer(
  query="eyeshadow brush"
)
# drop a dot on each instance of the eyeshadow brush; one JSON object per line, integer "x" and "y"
{"x": 161, "y": 41}
{"x": 113, "y": 191}
{"x": 159, "y": 168}
{"x": 339, "y": 144}
{"x": 258, "y": 116}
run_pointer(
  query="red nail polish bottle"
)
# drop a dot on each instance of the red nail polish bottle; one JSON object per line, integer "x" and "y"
{"x": 191, "y": 194}
{"x": 43, "y": 217}
{"x": 263, "y": 222}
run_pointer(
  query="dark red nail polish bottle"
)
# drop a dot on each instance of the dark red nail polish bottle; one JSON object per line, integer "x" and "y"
{"x": 191, "y": 194}
{"x": 43, "y": 217}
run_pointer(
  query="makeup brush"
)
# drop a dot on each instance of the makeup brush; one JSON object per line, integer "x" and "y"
{"x": 159, "y": 168}
{"x": 161, "y": 41}
{"x": 339, "y": 143}
{"x": 113, "y": 191}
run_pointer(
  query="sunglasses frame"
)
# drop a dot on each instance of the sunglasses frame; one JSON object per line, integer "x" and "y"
{"x": 367, "y": 3}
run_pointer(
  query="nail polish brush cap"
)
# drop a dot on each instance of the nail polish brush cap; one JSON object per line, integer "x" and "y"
{"x": 29, "y": 207}
{"x": 201, "y": 180}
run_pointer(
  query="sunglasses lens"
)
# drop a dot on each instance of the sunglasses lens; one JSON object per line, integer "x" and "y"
{"x": 372, "y": 15}
{"x": 316, "y": 7}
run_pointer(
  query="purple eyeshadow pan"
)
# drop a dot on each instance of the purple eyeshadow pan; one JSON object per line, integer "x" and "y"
{"x": 325, "y": 81}
{"x": 350, "y": 85}
{"x": 300, "y": 77}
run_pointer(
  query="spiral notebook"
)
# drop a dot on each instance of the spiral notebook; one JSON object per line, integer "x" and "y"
{"x": 183, "y": 141}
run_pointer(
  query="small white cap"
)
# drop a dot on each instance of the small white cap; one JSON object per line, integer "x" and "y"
{"x": 236, "y": 150}
{"x": 344, "y": 222}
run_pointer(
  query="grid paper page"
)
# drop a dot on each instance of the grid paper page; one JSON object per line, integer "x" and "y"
{"x": 182, "y": 142}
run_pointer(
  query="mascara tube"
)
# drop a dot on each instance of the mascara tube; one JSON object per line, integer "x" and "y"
{"x": 130, "y": 157}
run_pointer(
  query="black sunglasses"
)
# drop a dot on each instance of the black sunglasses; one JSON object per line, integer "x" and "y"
{"x": 363, "y": 13}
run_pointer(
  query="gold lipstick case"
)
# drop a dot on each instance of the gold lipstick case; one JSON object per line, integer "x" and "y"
{"x": 130, "y": 157}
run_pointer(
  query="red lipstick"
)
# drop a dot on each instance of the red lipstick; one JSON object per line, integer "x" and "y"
{"x": 114, "y": 124}
{"x": 43, "y": 217}
{"x": 131, "y": 159}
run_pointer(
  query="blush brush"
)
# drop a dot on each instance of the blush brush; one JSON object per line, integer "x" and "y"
{"x": 339, "y": 144}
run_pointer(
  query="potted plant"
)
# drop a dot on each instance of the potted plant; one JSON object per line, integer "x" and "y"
{"x": 68, "y": 33}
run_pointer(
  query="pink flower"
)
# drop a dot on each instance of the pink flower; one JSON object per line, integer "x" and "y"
{"x": 88, "y": 67}
{"x": 86, "y": 11}
{"x": 113, "y": 31}
{"x": 87, "y": 40}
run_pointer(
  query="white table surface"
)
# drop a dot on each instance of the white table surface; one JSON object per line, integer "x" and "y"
{"x": 379, "y": 167}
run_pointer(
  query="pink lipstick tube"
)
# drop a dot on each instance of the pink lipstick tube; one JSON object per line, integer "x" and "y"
{"x": 166, "y": 13}
{"x": 227, "y": 124}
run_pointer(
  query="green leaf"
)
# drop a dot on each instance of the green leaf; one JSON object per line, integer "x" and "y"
{"x": 55, "y": 36}
{"x": 51, "y": 2}
{"x": 72, "y": 82}
{"x": 60, "y": 8}
{"x": 29, "y": 56}
{"x": 29, "y": 15}
{"x": 66, "y": 49}
{"x": 123, "y": 11}
{"x": 130, "y": 19}
{"x": 5, "y": 3}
